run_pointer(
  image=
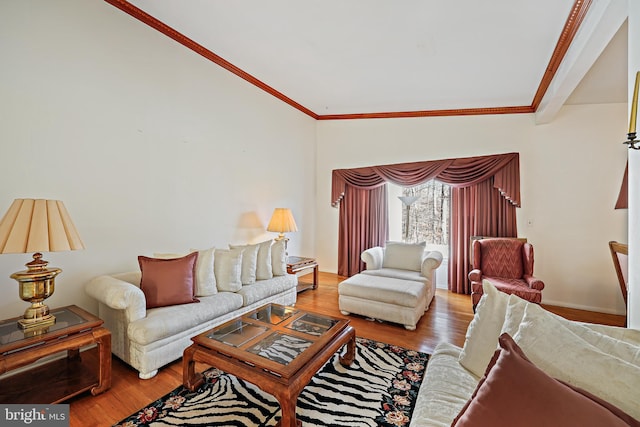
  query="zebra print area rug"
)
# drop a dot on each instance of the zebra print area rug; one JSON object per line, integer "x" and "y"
{"x": 378, "y": 389}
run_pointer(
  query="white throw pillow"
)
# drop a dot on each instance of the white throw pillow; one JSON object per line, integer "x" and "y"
{"x": 405, "y": 256}
{"x": 482, "y": 334}
{"x": 265, "y": 270}
{"x": 227, "y": 267}
{"x": 205, "y": 278}
{"x": 279, "y": 258}
{"x": 514, "y": 314}
{"x": 249, "y": 262}
{"x": 627, "y": 350}
{"x": 560, "y": 353}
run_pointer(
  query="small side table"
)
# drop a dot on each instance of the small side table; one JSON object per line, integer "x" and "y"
{"x": 299, "y": 266}
{"x": 59, "y": 379}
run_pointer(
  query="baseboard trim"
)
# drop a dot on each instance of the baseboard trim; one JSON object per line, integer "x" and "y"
{"x": 583, "y": 307}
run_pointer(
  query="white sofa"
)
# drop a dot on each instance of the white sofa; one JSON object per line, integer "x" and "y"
{"x": 397, "y": 285}
{"x": 148, "y": 339}
{"x": 602, "y": 360}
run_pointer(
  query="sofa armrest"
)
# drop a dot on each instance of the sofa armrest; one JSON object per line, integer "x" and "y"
{"x": 119, "y": 294}
{"x": 534, "y": 283}
{"x": 430, "y": 261}
{"x": 373, "y": 257}
{"x": 475, "y": 275}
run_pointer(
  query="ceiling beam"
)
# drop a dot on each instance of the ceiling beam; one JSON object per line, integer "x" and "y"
{"x": 600, "y": 23}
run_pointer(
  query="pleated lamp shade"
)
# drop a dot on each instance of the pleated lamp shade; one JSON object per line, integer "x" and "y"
{"x": 38, "y": 225}
{"x": 282, "y": 221}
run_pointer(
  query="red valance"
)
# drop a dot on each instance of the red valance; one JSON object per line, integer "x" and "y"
{"x": 458, "y": 173}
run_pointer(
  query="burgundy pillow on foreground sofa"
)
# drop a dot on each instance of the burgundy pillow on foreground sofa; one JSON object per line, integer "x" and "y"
{"x": 168, "y": 281}
{"x": 514, "y": 392}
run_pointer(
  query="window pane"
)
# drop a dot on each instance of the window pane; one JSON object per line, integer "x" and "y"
{"x": 427, "y": 219}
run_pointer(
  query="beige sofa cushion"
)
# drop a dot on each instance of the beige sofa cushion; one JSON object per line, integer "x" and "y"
{"x": 562, "y": 354}
{"x": 515, "y": 392}
{"x": 261, "y": 290}
{"x": 264, "y": 269}
{"x": 165, "y": 322}
{"x": 406, "y": 256}
{"x": 205, "y": 277}
{"x": 279, "y": 258}
{"x": 405, "y": 293}
{"x": 396, "y": 273}
{"x": 482, "y": 335}
{"x": 227, "y": 267}
{"x": 249, "y": 262}
{"x": 446, "y": 387}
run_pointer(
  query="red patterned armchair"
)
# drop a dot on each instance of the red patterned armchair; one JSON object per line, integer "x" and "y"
{"x": 508, "y": 265}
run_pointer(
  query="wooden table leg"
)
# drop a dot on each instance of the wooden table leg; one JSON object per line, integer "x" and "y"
{"x": 102, "y": 338}
{"x": 288, "y": 405}
{"x": 190, "y": 379}
{"x": 315, "y": 277}
{"x": 348, "y": 357}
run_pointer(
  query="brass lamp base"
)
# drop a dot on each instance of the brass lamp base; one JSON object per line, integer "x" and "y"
{"x": 37, "y": 316}
{"x": 36, "y": 284}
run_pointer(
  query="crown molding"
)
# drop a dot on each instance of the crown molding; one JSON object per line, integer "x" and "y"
{"x": 156, "y": 24}
{"x": 576, "y": 16}
{"x": 431, "y": 113}
{"x": 571, "y": 26}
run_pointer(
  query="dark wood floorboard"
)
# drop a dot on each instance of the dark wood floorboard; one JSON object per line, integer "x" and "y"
{"x": 446, "y": 320}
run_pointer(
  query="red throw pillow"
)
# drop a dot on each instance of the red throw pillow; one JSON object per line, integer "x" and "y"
{"x": 514, "y": 392}
{"x": 168, "y": 281}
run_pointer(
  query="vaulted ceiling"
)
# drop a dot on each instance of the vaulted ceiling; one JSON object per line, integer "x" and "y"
{"x": 335, "y": 59}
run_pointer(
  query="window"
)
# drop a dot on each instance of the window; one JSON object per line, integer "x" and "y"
{"x": 428, "y": 216}
{"x": 424, "y": 217}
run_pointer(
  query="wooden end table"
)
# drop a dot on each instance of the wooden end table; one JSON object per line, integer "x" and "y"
{"x": 277, "y": 348}
{"x": 300, "y": 265}
{"x": 59, "y": 379}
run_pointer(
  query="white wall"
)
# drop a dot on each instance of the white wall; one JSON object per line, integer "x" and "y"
{"x": 571, "y": 172}
{"x": 153, "y": 148}
{"x": 150, "y": 146}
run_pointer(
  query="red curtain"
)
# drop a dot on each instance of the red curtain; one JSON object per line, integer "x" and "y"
{"x": 363, "y": 224}
{"x": 623, "y": 196}
{"x": 503, "y": 171}
{"x": 476, "y": 210}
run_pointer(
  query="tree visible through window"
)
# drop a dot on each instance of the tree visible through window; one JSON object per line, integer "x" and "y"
{"x": 428, "y": 215}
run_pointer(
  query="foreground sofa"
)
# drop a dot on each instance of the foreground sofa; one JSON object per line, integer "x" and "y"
{"x": 603, "y": 360}
{"x": 398, "y": 284}
{"x": 228, "y": 283}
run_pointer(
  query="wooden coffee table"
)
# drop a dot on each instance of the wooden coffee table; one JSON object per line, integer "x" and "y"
{"x": 247, "y": 347}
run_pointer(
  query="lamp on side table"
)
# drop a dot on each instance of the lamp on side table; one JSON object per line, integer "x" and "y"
{"x": 282, "y": 222}
{"x": 37, "y": 225}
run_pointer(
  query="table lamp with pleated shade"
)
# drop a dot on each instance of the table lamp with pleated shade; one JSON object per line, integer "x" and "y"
{"x": 37, "y": 225}
{"x": 282, "y": 222}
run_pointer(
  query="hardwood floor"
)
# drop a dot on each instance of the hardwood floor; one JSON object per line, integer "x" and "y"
{"x": 447, "y": 320}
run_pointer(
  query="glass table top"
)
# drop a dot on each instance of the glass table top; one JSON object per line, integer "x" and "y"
{"x": 273, "y": 314}
{"x": 275, "y": 332}
{"x": 237, "y": 333}
{"x": 11, "y": 332}
{"x": 280, "y": 348}
{"x": 312, "y": 324}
